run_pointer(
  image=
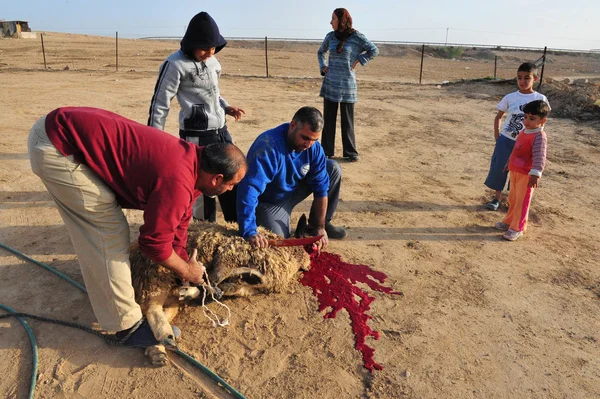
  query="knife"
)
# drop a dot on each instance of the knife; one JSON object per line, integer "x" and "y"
{"x": 292, "y": 242}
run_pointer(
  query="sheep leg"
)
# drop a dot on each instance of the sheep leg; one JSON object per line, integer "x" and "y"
{"x": 161, "y": 328}
{"x": 157, "y": 355}
{"x": 171, "y": 308}
{"x": 158, "y": 320}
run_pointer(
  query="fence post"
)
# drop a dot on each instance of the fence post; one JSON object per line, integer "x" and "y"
{"x": 495, "y": 67}
{"x": 43, "y": 50}
{"x": 266, "y": 57}
{"x": 422, "y": 56}
{"x": 543, "y": 65}
{"x": 117, "y": 50}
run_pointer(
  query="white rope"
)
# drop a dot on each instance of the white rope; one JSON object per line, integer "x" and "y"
{"x": 216, "y": 322}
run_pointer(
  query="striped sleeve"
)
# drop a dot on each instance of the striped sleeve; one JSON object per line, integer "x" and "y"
{"x": 539, "y": 154}
{"x": 370, "y": 51}
{"x": 165, "y": 89}
{"x": 322, "y": 51}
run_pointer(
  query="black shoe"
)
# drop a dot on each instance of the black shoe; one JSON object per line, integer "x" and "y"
{"x": 141, "y": 335}
{"x": 138, "y": 336}
{"x": 493, "y": 205}
{"x": 353, "y": 158}
{"x": 335, "y": 233}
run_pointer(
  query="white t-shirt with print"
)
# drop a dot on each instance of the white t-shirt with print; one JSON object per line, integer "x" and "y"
{"x": 512, "y": 104}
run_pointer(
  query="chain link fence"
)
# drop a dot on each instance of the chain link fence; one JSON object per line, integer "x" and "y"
{"x": 428, "y": 63}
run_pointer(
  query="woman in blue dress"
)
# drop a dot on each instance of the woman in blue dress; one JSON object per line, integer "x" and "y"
{"x": 347, "y": 48}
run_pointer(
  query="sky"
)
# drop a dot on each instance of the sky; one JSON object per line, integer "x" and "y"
{"x": 526, "y": 23}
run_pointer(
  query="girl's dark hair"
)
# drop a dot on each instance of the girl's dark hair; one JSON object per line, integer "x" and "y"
{"x": 344, "y": 29}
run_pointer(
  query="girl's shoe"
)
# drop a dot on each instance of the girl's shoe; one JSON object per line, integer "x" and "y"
{"x": 512, "y": 235}
{"x": 501, "y": 226}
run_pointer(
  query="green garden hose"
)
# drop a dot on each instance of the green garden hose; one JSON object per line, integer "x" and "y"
{"x": 106, "y": 337}
{"x": 34, "y": 349}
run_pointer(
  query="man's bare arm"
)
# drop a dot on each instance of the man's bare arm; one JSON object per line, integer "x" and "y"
{"x": 191, "y": 270}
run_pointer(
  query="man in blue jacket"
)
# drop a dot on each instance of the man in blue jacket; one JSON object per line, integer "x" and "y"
{"x": 285, "y": 165}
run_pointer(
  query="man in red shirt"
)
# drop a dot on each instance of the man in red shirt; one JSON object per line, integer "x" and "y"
{"x": 94, "y": 163}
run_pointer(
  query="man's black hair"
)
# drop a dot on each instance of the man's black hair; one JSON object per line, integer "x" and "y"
{"x": 222, "y": 158}
{"x": 528, "y": 67}
{"x": 538, "y": 107}
{"x": 309, "y": 115}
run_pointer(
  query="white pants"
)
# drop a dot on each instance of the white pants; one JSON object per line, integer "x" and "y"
{"x": 99, "y": 231}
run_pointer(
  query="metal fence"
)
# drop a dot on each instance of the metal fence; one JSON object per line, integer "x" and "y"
{"x": 405, "y": 62}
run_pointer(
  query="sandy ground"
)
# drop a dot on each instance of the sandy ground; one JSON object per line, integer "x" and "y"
{"x": 480, "y": 318}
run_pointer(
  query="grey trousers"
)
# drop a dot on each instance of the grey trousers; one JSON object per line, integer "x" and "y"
{"x": 276, "y": 217}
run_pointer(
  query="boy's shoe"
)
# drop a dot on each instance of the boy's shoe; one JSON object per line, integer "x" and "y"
{"x": 493, "y": 205}
{"x": 335, "y": 233}
{"x": 141, "y": 335}
{"x": 512, "y": 235}
{"x": 501, "y": 226}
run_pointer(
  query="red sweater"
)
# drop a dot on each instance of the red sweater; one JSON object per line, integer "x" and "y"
{"x": 529, "y": 154}
{"x": 147, "y": 169}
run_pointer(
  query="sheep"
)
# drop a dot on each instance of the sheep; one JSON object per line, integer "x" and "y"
{"x": 233, "y": 266}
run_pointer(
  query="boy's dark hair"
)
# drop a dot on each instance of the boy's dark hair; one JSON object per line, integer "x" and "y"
{"x": 538, "y": 107}
{"x": 222, "y": 158}
{"x": 528, "y": 67}
{"x": 309, "y": 115}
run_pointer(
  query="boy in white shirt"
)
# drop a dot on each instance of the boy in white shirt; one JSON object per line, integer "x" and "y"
{"x": 512, "y": 106}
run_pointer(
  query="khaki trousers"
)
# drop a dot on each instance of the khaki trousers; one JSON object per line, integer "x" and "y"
{"x": 98, "y": 228}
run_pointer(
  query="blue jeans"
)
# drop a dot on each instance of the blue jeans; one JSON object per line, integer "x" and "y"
{"x": 496, "y": 178}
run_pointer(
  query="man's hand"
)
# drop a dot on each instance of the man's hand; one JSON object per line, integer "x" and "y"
{"x": 324, "y": 71}
{"x": 533, "y": 181}
{"x": 259, "y": 241}
{"x": 318, "y": 231}
{"x": 235, "y": 112}
{"x": 324, "y": 240}
{"x": 354, "y": 65}
{"x": 195, "y": 272}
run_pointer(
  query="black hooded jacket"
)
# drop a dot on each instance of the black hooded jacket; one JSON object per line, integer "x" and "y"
{"x": 202, "y": 33}
{"x": 195, "y": 83}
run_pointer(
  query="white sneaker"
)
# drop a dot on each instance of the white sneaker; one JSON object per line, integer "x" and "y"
{"x": 512, "y": 235}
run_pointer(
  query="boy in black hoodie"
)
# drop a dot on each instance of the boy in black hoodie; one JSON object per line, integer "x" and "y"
{"x": 192, "y": 74}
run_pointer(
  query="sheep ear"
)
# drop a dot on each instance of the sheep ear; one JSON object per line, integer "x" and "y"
{"x": 301, "y": 228}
